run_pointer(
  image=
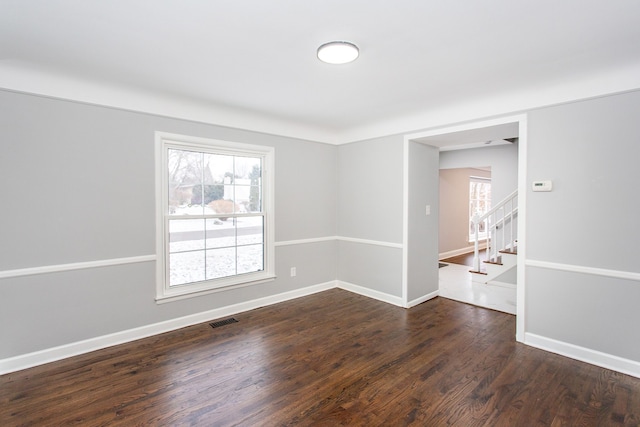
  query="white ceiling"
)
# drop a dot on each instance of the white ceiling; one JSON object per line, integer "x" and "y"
{"x": 252, "y": 63}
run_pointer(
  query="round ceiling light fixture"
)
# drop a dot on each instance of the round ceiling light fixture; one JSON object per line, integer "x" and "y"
{"x": 338, "y": 52}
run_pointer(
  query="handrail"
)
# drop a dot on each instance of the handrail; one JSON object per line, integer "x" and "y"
{"x": 501, "y": 220}
{"x": 498, "y": 206}
{"x": 493, "y": 223}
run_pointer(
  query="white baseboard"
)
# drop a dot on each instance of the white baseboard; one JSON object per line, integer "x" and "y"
{"x": 461, "y": 251}
{"x": 594, "y": 357}
{"x": 422, "y": 299}
{"x": 41, "y": 357}
{"x": 380, "y": 296}
{"x": 12, "y": 364}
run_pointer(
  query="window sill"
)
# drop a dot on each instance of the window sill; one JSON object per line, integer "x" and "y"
{"x": 172, "y": 295}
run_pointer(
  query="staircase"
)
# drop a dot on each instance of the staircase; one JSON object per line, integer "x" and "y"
{"x": 500, "y": 223}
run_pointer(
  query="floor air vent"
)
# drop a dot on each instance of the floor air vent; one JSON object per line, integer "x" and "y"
{"x": 223, "y": 322}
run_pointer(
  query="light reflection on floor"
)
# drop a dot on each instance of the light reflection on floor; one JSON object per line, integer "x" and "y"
{"x": 456, "y": 284}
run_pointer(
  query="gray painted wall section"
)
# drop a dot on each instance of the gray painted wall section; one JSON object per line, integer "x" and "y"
{"x": 590, "y": 150}
{"x": 422, "y": 245}
{"x": 594, "y": 312}
{"x": 82, "y": 188}
{"x": 370, "y": 190}
{"x": 374, "y": 267}
{"x": 370, "y": 208}
{"x": 503, "y": 160}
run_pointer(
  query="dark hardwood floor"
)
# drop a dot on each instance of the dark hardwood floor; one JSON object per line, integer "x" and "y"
{"x": 333, "y": 358}
{"x": 465, "y": 259}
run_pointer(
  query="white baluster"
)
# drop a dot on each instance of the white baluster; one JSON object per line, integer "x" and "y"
{"x": 476, "y": 257}
{"x": 488, "y": 228}
{"x": 511, "y": 225}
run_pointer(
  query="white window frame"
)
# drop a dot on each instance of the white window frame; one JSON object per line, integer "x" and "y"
{"x": 483, "y": 235}
{"x": 163, "y": 142}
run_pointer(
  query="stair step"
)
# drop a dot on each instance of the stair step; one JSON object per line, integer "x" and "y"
{"x": 490, "y": 269}
{"x": 513, "y": 251}
{"x": 501, "y": 284}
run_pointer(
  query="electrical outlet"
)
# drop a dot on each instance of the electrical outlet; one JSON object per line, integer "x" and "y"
{"x": 293, "y": 272}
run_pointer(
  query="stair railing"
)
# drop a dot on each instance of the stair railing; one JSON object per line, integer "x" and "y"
{"x": 500, "y": 232}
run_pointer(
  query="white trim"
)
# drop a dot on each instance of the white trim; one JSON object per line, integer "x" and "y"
{"x": 371, "y": 242}
{"x": 461, "y": 251}
{"x": 178, "y": 297}
{"x": 465, "y": 126}
{"x": 605, "y": 83}
{"x": 594, "y": 357}
{"x": 306, "y": 241}
{"x": 521, "y": 119}
{"x": 523, "y": 138}
{"x": 370, "y": 293}
{"x": 29, "y": 271}
{"x": 422, "y": 299}
{"x": 27, "y": 79}
{"x": 340, "y": 238}
{"x": 616, "y": 274}
{"x": 75, "y": 266}
{"x": 28, "y": 360}
{"x": 405, "y": 221}
{"x": 165, "y": 141}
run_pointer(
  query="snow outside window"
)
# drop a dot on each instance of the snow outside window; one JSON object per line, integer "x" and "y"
{"x": 215, "y": 227}
{"x": 479, "y": 203}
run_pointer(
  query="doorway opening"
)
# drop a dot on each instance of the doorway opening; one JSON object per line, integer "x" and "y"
{"x": 466, "y": 142}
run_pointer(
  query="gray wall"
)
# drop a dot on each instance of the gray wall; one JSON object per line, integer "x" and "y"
{"x": 370, "y": 189}
{"x": 503, "y": 160}
{"x": 422, "y": 245}
{"x": 590, "y": 150}
{"x": 78, "y": 185}
{"x": 370, "y": 208}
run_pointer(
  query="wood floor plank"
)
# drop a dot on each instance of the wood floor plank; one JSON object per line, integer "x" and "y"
{"x": 330, "y": 359}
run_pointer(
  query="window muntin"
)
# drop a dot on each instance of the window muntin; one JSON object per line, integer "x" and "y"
{"x": 216, "y": 222}
{"x": 479, "y": 204}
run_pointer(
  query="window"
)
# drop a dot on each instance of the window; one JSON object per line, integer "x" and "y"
{"x": 215, "y": 221}
{"x": 479, "y": 203}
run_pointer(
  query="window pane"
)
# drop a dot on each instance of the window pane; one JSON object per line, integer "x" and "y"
{"x": 250, "y": 230}
{"x": 186, "y": 235}
{"x": 247, "y": 167}
{"x": 479, "y": 203}
{"x": 251, "y": 197}
{"x": 221, "y": 207}
{"x": 221, "y": 263}
{"x": 241, "y": 195}
{"x": 254, "y": 204}
{"x": 220, "y": 168}
{"x": 186, "y": 267}
{"x": 250, "y": 258}
{"x": 215, "y": 224}
{"x": 221, "y": 234}
{"x": 185, "y": 169}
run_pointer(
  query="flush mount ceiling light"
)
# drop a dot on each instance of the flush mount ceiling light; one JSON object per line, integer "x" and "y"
{"x": 338, "y": 52}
